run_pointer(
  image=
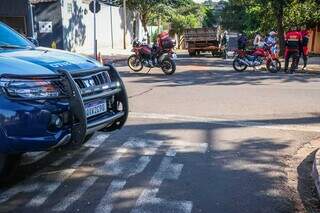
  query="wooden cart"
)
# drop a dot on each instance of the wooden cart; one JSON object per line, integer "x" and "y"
{"x": 202, "y": 40}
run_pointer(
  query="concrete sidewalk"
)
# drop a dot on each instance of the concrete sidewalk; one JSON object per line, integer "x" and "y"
{"x": 313, "y": 64}
{"x": 109, "y": 55}
{"x": 121, "y": 55}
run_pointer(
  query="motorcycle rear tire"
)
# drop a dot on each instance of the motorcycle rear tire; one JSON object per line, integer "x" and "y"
{"x": 135, "y": 57}
{"x": 278, "y": 66}
{"x": 235, "y": 66}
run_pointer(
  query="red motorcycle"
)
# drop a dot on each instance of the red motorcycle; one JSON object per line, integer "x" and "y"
{"x": 253, "y": 58}
{"x": 156, "y": 56}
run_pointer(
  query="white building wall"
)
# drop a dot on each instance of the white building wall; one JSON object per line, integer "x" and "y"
{"x": 77, "y": 22}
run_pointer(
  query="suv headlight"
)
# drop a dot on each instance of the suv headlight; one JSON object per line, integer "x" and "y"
{"x": 30, "y": 88}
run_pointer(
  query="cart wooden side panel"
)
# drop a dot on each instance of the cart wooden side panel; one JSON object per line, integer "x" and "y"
{"x": 201, "y": 39}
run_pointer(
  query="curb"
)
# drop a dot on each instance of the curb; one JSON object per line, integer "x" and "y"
{"x": 115, "y": 60}
{"x": 316, "y": 171}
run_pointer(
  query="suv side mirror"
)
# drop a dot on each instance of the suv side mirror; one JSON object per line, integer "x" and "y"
{"x": 34, "y": 41}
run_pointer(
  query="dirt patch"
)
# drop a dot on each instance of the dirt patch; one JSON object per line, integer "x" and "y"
{"x": 301, "y": 187}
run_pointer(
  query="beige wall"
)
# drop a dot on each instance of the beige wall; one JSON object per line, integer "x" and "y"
{"x": 314, "y": 42}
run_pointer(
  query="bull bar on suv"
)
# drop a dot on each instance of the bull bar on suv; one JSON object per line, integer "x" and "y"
{"x": 106, "y": 83}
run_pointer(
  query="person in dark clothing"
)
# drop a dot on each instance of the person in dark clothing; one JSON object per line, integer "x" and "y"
{"x": 304, "y": 51}
{"x": 242, "y": 41}
{"x": 292, "y": 46}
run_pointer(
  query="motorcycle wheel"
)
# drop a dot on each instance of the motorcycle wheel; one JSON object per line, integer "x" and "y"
{"x": 274, "y": 66}
{"x": 135, "y": 63}
{"x": 168, "y": 66}
{"x": 8, "y": 165}
{"x": 237, "y": 66}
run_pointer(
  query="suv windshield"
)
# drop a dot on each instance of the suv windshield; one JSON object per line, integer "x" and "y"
{"x": 11, "y": 39}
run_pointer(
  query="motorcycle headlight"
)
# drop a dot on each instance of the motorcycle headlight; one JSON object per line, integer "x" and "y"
{"x": 30, "y": 88}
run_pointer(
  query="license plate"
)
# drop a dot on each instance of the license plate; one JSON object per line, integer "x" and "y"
{"x": 95, "y": 108}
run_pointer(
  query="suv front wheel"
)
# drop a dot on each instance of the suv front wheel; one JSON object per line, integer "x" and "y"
{"x": 8, "y": 165}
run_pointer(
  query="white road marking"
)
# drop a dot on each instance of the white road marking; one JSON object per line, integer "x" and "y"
{"x": 106, "y": 203}
{"x": 226, "y": 122}
{"x": 182, "y": 146}
{"x": 131, "y": 148}
{"x": 171, "y": 153}
{"x": 75, "y": 195}
{"x": 63, "y": 159}
{"x": 97, "y": 141}
{"x": 167, "y": 170}
{"x": 94, "y": 142}
{"x": 50, "y": 187}
{"x": 148, "y": 202}
{"x": 138, "y": 167}
{"x": 32, "y": 157}
{"x": 7, "y": 195}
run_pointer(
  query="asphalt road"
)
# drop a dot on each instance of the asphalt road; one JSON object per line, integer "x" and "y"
{"x": 206, "y": 139}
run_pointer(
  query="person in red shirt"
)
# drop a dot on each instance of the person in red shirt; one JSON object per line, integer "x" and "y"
{"x": 161, "y": 37}
{"x": 293, "y": 41}
{"x": 304, "y": 51}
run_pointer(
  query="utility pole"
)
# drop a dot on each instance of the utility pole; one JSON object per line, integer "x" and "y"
{"x": 95, "y": 30}
{"x": 32, "y": 34}
{"x": 125, "y": 25}
{"x": 111, "y": 24}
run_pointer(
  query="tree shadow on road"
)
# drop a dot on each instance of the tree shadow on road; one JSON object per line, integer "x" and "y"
{"x": 215, "y": 73}
{"x": 238, "y": 174}
{"x": 247, "y": 177}
{"x": 306, "y": 186}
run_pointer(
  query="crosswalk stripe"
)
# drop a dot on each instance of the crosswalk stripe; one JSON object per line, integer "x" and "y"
{"x": 94, "y": 142}
{"x": 148, "y": 203}
{"x": 6, "y": 195}
{"x": 97, "y": 141}
{"x": 106, "y": 203}
{"x": 114, "y": 166}
{"x": 167, "y": 170}
{"x": 51, "y": 187}
{"x": 75, "y": 195}
{"x": 148, "y": 200}
{"x": 33, "y": 157}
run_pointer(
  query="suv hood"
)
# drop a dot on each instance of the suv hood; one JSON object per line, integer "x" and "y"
{"x": 42, "y": 61}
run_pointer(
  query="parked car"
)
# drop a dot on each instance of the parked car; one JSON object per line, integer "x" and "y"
{"x": 49, "y": 98}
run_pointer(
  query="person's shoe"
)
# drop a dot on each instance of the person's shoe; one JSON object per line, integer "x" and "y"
{"x": 304, "y": 68}
{"x": 151, "y": 64}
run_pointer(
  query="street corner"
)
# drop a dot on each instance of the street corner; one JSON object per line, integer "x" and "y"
{"x": 316, "y": 170}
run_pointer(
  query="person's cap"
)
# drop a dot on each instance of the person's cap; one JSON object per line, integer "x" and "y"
{"x": 272, "y": 33}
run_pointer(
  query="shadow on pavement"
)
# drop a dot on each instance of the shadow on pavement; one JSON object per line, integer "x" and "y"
{"x": 245, "y": 176}
{"x": 306, "y": 187}
{"x": 191, "y": 72}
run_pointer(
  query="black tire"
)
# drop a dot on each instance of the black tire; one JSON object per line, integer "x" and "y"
{"x": 274, "y": 66}
{"x": 121, "y": 103}
{"x": 237, "y": 66}
{"x": 192, "y": 53}
{"x": 88, "y": 137}
{"x": 8, "y": 166}
{"x": 168, "y": 66}
{"x": 134, "y": 63}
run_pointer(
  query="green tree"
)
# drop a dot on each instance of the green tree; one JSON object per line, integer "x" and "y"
{"x": 146, "y": 9}
{"x": 302, "y": 13}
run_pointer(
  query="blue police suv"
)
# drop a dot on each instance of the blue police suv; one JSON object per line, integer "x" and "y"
{"x": 49, "y": 98}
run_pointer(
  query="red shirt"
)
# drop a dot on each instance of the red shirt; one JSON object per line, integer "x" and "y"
{"x": 293, "y": 40}
{"x": 305, "y": 37}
